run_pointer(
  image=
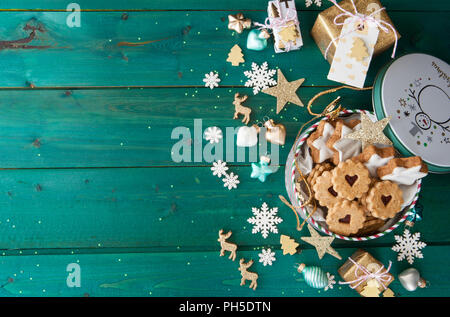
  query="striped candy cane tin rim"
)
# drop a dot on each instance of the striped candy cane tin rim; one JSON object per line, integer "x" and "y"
{"x": 314, "y": 223}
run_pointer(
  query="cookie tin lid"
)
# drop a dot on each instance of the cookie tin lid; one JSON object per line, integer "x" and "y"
{"x": 414, "y": 90}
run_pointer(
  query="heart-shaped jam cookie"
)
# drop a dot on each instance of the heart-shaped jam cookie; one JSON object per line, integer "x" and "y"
{"x": 351, "y": 179}
{"x": 384, "y": 200}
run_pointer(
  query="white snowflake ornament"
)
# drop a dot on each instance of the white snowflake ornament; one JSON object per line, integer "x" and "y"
{"x": 260, "y": 77}
{"x": 219, "y": 168}
{"x": 267, "y": 257}
{"x": 211, "y": 80}
{"x": 331, "y": 282}
{"x": 408, "y": 246}
{"x": 213, "y": 135}
{"x": 308, "y": 3}
{"x": 264, "y": 220}
{"x": 230, "y": 181}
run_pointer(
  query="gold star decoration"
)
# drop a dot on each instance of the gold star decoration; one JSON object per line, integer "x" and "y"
{"x": 284, "y": 91}
{"x": 238, "y": 23}
{"x": 370, "y": 132}
{"x": 322, "y": 244}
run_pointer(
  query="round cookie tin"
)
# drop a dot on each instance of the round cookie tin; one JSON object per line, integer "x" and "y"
{"x": 294, "y": 195}
{"x": 414, "y": 91}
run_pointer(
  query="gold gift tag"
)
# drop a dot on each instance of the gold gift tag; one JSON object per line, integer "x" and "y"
{"x": 354, "y": 51}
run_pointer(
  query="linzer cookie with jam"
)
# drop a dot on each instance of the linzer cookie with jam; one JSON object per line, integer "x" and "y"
{"x": 324, "y": 191}
{"x": 384, "y": 200}
{"x": 345, "y": 217}
{"x": 350, "y": 179}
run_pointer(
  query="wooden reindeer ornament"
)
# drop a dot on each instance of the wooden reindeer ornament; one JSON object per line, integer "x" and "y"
{"x": 240, "y": 109}
{"x": 227, "y": 246}
{"x": 246, "y": 275}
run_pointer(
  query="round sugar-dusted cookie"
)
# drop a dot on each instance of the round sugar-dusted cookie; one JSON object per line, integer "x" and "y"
{"x": 350, "y": 179}
{"x": 323, "y": 190}
{"x": 345, "y": 217}
{"x": 384, "y": 200}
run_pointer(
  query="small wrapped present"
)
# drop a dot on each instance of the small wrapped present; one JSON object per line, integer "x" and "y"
{"x": 329, "y": 23}
{"x": 365, "y": 274}
{"x": 285, "y": 26}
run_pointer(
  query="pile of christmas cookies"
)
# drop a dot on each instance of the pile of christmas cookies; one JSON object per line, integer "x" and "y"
{"x": 359, "y": 189}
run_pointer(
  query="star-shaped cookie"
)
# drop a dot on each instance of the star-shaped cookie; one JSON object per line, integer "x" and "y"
{"x": 370, "y": 132}
{"x": 284, "y": 91}
{"x": 321, "y": 243}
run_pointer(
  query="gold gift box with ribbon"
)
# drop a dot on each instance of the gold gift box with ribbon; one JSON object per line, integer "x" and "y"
{"x": 361, "y": 268}
{"x": 325, "y": 30}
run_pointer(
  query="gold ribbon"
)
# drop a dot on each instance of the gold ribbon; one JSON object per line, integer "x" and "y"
{"x": 332, "y": 112}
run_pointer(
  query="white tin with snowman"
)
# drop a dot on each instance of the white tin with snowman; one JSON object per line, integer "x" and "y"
{"x": 414, "y": 91}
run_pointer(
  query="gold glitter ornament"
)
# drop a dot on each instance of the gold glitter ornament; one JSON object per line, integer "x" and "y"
{"x": 275, "y": 132}
{"x": 288, "y": 245}
{"x": 370, "y": 132}
{"x": 227, "y": 246}
{"x": 371, "y": 289}
{"x": 321, "y": 243}
{"x": 238, "y": 23}
{"x": 284, "y": 91}
{"x": 247, "y": 275}
{"x": 388, "y": 293}
{"x": 235, "y": 56}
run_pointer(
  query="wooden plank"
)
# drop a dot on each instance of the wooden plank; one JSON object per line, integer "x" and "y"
{"x": 234, "y": 5}
{"x": 95, "y": 53}
{"x": 199, "y": 274}
{"x": 130, "y": 127}
{"x": 166, "y": 209}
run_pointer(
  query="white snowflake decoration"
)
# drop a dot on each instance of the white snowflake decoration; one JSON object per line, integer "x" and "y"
{"x": 219, "y": 168}
{"x": 230, "y": 181}
{"x": 408, "y": 246}
{"x": 264, "y": 220}
{"x": 308, "y": 3}
{"x": 260, "y": 77}
{"x": 213, "y": 135}
{"x": 266, "y": 257}
{"x": 331, "y": 282}
{"x": 211, "y": 80}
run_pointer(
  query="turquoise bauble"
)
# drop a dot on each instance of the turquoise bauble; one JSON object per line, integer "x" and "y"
{"x": 314, "y": 276}
{"x": 256, "y": 40}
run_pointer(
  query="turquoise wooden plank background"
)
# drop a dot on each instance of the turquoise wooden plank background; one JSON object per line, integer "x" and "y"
{"x": 86, "y": 171}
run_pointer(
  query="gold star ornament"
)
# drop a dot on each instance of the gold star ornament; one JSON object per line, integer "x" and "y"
{"x": 238, "y": 23}
{"x": 284, "y": 91}
{"x": 321, "y": 243}
{"x": 370, "y": 132}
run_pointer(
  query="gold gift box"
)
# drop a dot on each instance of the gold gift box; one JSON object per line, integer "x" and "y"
{"x": 365, "y": 259}
{"x": 324, "y": 29}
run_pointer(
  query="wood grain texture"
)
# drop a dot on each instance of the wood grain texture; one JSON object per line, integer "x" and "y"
{"x": 197, "y": 274}
{"x": 160, "y": 208}
{"x": 231, "y": 5}
{"x": 86, "y": 175}
{"x": 131, "y": 127}
{"x": 90, "y": 55}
